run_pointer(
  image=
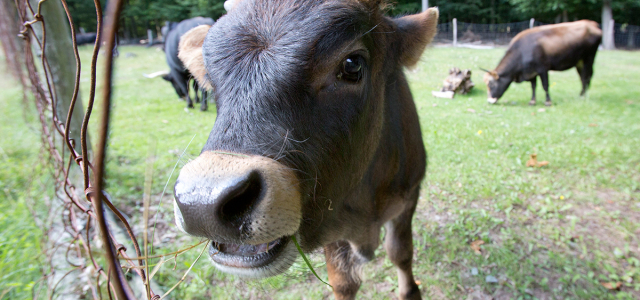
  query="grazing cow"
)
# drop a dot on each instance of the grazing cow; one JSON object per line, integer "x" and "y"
{"x": 178, "y": 75}
{"x": 536, "y": 51}
{"x": 317, "y": 137}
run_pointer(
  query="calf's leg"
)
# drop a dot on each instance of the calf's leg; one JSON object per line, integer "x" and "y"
{"x": 342, "y": 269}
{"x": 196, "y": 90}
{"x": 533, "y": 89}
{"x": 544, "y": 78}
{"x": 580, "y": 69}
{"x": 398, "y": 242}
{"x": 204, "y": 105}
{"x": 587, "y": 73}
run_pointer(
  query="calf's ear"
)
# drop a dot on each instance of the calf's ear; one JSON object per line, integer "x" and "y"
{"x": 190, "y": 53}
{"x": 415, "y": 32}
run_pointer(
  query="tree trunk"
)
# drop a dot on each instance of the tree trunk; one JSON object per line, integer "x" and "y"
{"x": 607, "y": 33}
{"x": 493, "y": 12}
{"x": 9, "y": 28}
{"x": 58, "y": 50}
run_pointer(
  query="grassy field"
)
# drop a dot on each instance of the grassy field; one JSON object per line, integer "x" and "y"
{"x": 555, "y": 232}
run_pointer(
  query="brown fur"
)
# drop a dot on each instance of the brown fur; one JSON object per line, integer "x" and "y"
{"x": 419, "y": 37}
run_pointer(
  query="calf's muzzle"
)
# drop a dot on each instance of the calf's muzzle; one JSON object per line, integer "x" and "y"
{"x": 237, "y": 199}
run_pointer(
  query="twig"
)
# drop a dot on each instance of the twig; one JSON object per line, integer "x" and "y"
{"x": 153, "y": 236}
{"x": 186, "y": 273}
{"x": 148, "y": 181}
{"x": 167, "y": 254}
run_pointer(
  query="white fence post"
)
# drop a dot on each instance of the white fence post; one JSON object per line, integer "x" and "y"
{"x": 425, "y": 5}
{"x": 150, "y": 37}
{"x": 531, "y": 22}
{"x": 612, "y": 35}
{"x": 455, "y": 32}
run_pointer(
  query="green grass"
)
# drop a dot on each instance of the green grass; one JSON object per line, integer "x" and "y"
{"x": 24, "y": 185}
{"x": 555, "y": 232}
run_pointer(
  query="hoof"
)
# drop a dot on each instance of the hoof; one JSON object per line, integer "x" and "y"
{"x": 548, "y": 103}
{"x": 532, "y": 103}
{"x": 492, "y": 100}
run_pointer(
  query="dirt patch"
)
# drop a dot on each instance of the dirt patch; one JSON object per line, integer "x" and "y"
{"x": 597, "y": 228}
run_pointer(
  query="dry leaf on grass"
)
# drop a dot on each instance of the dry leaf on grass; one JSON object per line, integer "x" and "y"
{"x": 593, "y": 125}
{"x": 612, "y": 285}
{"x": 629, "y": 102}
{"x": 542, "y": 164}
{"x": 418, "y": 282}
{"x": 475, "y": 245}
{"x": 533, "y": 162}
{"x": 471, "y": 110}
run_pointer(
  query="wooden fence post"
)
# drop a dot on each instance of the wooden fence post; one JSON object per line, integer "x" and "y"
{"x": 532, "y": 22}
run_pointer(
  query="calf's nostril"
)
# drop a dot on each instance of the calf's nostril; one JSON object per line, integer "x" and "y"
{"x": 238, "y": 200}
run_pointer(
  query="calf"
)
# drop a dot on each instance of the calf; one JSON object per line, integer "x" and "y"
{"x": 178, "y": 75}
{"x": 535, "y": 51}
{"x": 317, "y": 137}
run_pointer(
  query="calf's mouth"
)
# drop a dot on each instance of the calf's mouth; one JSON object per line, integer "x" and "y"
{"x": 256, "y": 261}
{"x": 248, "y": 206}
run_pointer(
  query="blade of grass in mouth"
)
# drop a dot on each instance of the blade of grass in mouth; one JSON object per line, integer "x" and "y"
{"x": 306, "y": 260}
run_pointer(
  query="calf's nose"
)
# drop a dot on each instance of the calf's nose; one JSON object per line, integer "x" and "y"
{"x": 219, "y": 208}
{"x": 237, "y": 199}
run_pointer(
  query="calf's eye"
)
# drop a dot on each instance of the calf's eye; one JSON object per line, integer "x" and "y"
{"x": 352, "y": 68}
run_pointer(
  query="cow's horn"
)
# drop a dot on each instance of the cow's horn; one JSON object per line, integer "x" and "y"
{"x": 485, "y": 70}
{"x": 156, "y": 74}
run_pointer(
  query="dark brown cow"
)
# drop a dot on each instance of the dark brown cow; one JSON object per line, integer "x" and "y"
{"x": 317, "y": 137}
{"x": 536, "y": 51}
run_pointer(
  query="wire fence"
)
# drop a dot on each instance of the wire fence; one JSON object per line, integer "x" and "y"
{"x": 85, "y": 205}
{"x": 626, "y": 36}
{"x": 469, "y": 34}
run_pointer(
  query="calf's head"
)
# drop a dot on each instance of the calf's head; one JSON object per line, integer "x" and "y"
{"x": 496, "y": 85}
{"x": 300, "y": 92}
{"x": 174, "y": 83}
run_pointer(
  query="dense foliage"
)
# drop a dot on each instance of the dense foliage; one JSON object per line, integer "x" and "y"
{"x": 140, "y": 15}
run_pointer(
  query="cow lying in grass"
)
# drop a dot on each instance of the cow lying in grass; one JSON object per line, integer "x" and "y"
{"x": 317, "y": 137}
{"x": 536, "y": 51}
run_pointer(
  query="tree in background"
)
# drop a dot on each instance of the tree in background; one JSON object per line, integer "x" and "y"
{"x": 554, "y": 11}
{"x": 140, "y": 15}
{"x": 471, "y": 11}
